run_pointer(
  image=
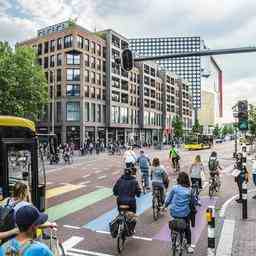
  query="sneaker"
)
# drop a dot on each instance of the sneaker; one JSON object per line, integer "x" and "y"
{"x": 239, "y": 201}
{"x": 190, "y": 249}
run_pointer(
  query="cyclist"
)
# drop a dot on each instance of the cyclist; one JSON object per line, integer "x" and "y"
{"x": 28, "y": 219}
{"x": 214, "y": 166}
{"x": 144, "y": 163}
{"x": 180, "y": 200}
{"x": 125, "y": 190}
{"x": 196, "y": 171}
{"x": 159, "y": 178}
{"x": 129, "y": 157}
{"x": 174, "y": 157}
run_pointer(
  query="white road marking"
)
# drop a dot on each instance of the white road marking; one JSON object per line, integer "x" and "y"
{"x": 102, "y": 177}
{"x": 71, "y": 227}
{"x": 87, "y": 182}
{"x": 77, "y": 252}
{"x": 71, "y": 242}
{"x": 226, "y": 239}
{"x": 98, "y": 171}
{"x": 86, "y": 176}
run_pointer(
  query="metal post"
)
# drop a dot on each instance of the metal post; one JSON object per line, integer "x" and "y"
{"x": 244, "y": 200}
{"x": 53, "y": 103}
{"x": 235, "y": 142}
{"x": 210, "y": 213}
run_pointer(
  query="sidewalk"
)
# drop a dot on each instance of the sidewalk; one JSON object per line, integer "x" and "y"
{"x": 238, "y": 237}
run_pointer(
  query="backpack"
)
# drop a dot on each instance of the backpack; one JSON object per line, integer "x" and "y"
{"x": 144, "y": 164}
{"x": 213, "y": 164}
{"x": 10, "y": 250}
{"x": 7, "y": 217}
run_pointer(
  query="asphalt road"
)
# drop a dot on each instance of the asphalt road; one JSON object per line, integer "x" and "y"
{"x": 79, "y": 199}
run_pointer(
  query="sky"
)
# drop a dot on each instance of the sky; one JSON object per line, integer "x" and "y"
{"x": 222, "y": 24}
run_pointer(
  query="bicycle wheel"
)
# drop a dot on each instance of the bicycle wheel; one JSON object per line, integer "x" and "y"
{"x": 174, "y": 239}
{"x": 155, "y": 208}
{"x": 211, "y": 190}
{"x": 57, "y": 248}
{"x": 120, "y": 240}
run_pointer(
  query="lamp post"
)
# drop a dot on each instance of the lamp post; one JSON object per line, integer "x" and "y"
{"x": 235, "y": 115}
{"x": 53, "y": 102}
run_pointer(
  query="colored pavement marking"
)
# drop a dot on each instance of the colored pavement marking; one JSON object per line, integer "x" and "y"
{"x": 164, "y": 234}
{"x": 62, "y": 190}
{"x": 61, "y": 210}
{"x": 102, "y": 222}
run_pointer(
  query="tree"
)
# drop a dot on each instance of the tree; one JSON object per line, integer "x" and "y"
{"x": 216, "y": 131}
{"x": 224, "y": 130}
{"x": 23, "y": 90}
{"x": 197, "y": 128}
{"x": 252, "y": 120}
{"x": 177, "y": 125}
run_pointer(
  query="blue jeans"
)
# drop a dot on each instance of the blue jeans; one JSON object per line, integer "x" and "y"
{"x": 145, "y": 176}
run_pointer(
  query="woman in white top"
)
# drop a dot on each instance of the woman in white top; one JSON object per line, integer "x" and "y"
{"x": 196, "y": 171}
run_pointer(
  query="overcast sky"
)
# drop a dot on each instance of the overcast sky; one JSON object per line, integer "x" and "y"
{"x": 222, "y": 24}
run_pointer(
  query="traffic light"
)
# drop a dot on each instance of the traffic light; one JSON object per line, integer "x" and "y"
{"x": 243, "y": 115}
{"x": 127, "y": 59}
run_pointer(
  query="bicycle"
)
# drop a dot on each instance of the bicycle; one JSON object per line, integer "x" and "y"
{"x": 143, "y": 183}
{"x": 123, "y": 227}
{"x": 52, "y": 241}
{"x": 176, "y": 165}
{"x": 214, "y": 186}
{"x": 156, "y": 203}
{"x": 195, "y": 190}
{"x": 178, "y": 238}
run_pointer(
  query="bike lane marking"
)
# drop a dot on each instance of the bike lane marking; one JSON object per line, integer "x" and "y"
{"x": 76, "y": 204}
{"x": 102, "y": 222}
{"x": 164, "y": 233}
{"x": 62, "y": 190}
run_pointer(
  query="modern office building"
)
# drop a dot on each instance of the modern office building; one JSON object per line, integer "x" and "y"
{"x": 93, "y": 98}
{"x": 189, "y": 68}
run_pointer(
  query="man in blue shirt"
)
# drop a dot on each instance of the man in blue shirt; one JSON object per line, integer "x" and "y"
{"x": 28, "y": 219}
{"x": 144, "y": 163}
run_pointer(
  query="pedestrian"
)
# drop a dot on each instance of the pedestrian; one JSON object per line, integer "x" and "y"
{"x": 91, "y": 147}
{"x": 144, "y": 163}
{"x": 129, "y": 157}
{"x": 196, "y": 170}
{"x": 254, "y": 173}
{"x": 28, "y": 220}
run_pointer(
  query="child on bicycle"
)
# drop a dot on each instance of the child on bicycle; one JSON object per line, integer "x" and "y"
{"x": 159, "y": 178}
{"x": 144, "y": 163}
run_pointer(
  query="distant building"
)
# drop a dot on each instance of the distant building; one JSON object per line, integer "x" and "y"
{"x": 94, "y": 99}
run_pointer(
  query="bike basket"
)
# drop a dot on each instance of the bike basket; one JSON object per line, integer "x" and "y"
{"x": 178, "y": 225}
{"x": 113, "y": 227}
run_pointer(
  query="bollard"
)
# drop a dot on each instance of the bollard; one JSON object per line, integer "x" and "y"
{"x": 211, "y": 230}
{"x": 244, "y": 201}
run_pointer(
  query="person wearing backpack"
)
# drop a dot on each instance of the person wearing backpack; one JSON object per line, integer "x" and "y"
{"x": 28, "y": 219}
{"x": 214, "y": 166}
{"x": 144, "y": 163}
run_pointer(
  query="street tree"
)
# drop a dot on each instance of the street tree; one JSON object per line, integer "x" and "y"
{"x": 197, "y": 128}
{"x": 217, "y": 131}
{"x": 177, "y": 125}
{"x": 252, "y": 120}
{"x": 23, "y": 90}
{"x": 224, "y": 130}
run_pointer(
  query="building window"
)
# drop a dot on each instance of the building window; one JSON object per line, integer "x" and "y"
{"x": 80, "y": 42}
{"x": 124, "y": 98}
{"x": 103, "y": 94}
{"x": 115, "y": 114}
{"x": 52, "y": 45}
{"x": 45, "y": 62}
{"x": 39, "y": 49}
{"x": 98, "y": 114}
{"x": 104, "y": 114}
{"x": 46, "y": 47}
{"x": 98, "y": 64}
{"x": 104, "y": 66}
{"x": 73, "y": 90}
{"x": 86, "y": 76}
{"x": 104, "y": 81}
{"x": 73, "y": 74}
{"x": 152, "y": 72}
{"x": 115, "y": 82}
{"x": 86, "y": 91}
{"x": 86, "y": 44}
{"x": 93, "y": 116}
{"x": 98, "y": 49}
{"x": 98, "y": 94}
{"x": 73, "y": 58}
{"x": 124, "y": 85}
{"x": 93, "y": 94}
{"x": 58, "y": 75}
{"x": 146, "y": 80}
{"x": 86, "y": 60}
{"x": 68, "y": 40}
{"x": 115, "y": 96}
{"x": 104, "y": 52}
{"x": 58, "y": 90}
{"x": 87, "y": 111}
{"x": 51, "y": 76}
{"x": 46, "y": 76}
{"x": 93, "y": 50}
{"x": 59, "y": 59}
{"x": 116, "y": 41}
{"x": 39, "y": 61}
{"x": 93, "y": 62}
{"x": 59, "y": 43}
{"x": 52, "y": 61}
{"x": 146, "y": 69}
{"x": 59, "y": 118}
{"x": 93, "y": 77}
{"x": 73, "y": 111}
{"x": 98, "y": 79}
{"x": 124, "y": 115}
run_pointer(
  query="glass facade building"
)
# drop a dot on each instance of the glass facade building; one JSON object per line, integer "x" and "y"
{"x": 188, "y": 68}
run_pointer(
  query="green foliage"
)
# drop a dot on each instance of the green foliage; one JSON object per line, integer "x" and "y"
{"x": 71, "y": 23}
{"x": 24, "y": 89}
{"x": 217, "y": 131}
{"x": 197, "y": 128}
{"x": 177, "y": 125}
{"x": 252, "y": 120}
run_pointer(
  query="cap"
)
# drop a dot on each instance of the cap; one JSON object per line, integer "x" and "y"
{"x": 29, "y": 215}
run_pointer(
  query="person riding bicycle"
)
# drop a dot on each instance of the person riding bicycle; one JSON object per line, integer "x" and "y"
{"x": 174, "y": 156}
{"x": 129, "y": 157}
{"x": 159, "y": 178}
{"x": 196, "y": 171}
{"x": 179, "y": 199}
{"x": 126, "y": 189}
{"x": 144, "y": 163}
{"x": 214, "y": 166}
{"x": 28, "y": 219}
